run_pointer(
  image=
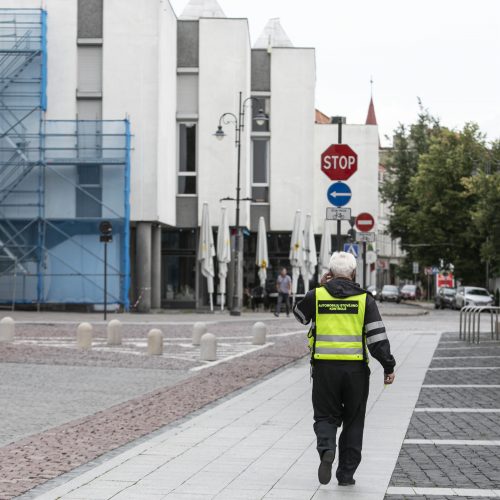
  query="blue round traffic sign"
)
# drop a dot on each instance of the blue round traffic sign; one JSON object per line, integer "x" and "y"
{"x": 339, "y": 194}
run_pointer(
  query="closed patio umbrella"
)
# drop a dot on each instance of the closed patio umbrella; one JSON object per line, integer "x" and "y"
{"x": 262, "y": 257}
{"x": 325, "y": 251}
{"x": 310, "y": 258}
{"x": 206, "y": 253}
{"x": 223, "y": 254}
{"x": 296, "y": 251}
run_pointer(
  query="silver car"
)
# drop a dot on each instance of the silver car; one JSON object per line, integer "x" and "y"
{"x": 472, "y": 296}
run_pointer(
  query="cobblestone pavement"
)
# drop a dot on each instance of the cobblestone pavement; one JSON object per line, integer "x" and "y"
{"x": 86, "y": 385}
{"x": 469, "y": 466}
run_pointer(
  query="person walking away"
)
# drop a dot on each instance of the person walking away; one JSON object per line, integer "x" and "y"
{"x": 346, "y": 324}
{"x": 284, "y": 287}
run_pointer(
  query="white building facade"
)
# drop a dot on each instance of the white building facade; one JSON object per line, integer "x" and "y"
{"x": 168, "y": 79}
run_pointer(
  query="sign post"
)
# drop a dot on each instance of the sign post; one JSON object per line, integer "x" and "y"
{"x": 339, "y": 162}
{"x": 364, "y": 223}
{"x": 106, "y": 230}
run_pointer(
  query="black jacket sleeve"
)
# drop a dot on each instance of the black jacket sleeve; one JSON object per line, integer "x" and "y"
{"x": 305, "y": 310}
{"x": 376, "y": 336}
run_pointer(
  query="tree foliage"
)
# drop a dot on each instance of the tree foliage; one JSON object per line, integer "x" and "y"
{"x": 443, "y": 187}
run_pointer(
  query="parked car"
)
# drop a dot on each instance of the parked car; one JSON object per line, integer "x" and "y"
{"x": 410, "y": 292}
{"x": 374, "y": 291}
{"x": 472, "y": 296}
{"x": 390, "y": 293}
{"x": 445, "y": 297}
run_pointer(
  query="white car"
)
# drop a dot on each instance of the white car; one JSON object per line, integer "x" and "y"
{"x": 472, "y": 296}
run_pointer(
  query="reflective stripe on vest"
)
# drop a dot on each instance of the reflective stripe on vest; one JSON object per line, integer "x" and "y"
{"x": 339, "y": 326}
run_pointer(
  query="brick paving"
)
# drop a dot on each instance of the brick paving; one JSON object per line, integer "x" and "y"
{"x": 433, "y": 497}
{"x": 475, "y": 361}
{"x": 454, "y": 466}
{"x": 463, "y": 397}
{"x": 35, "y": 459}
{"x": 454, "y": 426}
{"x": 429, "y": 466}
{"x": 463, "y": 377}
{"x": 40, "y": 457}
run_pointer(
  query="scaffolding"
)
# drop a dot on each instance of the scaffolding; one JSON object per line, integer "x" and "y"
{"x": 58, "y": 181}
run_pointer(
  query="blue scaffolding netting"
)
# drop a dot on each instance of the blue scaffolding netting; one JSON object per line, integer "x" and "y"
{"x": 58, "y": 180}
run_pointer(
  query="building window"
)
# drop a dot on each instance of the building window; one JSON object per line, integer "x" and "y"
{"x": 89, "y": 191}
{"x": 187, "y": 159}
{"x": 260, "y": 169}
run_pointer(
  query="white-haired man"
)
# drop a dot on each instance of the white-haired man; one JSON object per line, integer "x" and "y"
{"x": 345, "y": 323}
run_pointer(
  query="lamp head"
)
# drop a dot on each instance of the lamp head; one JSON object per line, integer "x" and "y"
{"x": 219, "y": 134}
{"x": 261, "y": 118}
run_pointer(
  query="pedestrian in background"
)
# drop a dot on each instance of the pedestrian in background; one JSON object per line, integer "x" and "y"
{"x": 283, "y": 287}
{"x": 346, "y": 324}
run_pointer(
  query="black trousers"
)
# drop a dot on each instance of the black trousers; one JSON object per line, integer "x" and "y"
{"x": 339, "y": 395}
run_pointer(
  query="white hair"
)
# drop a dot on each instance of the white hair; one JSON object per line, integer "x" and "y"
{"x": 342, "y": 264}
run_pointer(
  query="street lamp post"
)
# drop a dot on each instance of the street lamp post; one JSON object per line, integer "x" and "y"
{"x": 239, "y": 125}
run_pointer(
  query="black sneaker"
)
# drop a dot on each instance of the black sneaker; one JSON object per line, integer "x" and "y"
{"x": 347, "y": 482}
{"x": 325, "y": 467}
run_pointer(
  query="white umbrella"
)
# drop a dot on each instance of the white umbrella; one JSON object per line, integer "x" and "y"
{"x": 223, "y": 254}
{"x": 325, "y": 251}
{"x": 296, "y": 252}
{"x": 206, "y": 253}
{"x": 310, "y": 258}
{"x": 262, "y": 257}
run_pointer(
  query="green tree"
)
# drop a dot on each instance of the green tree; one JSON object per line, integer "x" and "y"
{"x": 443, "y": 196}
{"x": 484, "y": 186}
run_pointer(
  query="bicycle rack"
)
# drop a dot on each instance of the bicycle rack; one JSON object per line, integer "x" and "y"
{"x": 469, "y": 328}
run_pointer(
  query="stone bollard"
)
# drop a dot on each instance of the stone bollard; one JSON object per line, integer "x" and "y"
{"x": 199, "y": 329}
{"x": 259, "y": 332}
{"x": 208, "y": 347}
{"x": 7, "y": 329}
{"x": 114, "y": 332}
{"x": 155, "y": 342}
{"x": 84, "y": 336}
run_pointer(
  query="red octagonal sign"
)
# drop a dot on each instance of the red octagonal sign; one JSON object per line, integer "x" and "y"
{"x": 339, "y": 162}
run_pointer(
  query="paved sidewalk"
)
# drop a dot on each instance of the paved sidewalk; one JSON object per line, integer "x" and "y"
{"x": 452, "y": 447}
{"x": 260, "y": 444}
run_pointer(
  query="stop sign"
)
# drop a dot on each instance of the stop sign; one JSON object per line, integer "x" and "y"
{"x": 365, "y": 222}
{"x": 339, "y": 162}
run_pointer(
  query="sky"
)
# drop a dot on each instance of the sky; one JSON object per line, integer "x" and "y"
{"x": 445, "y": 52}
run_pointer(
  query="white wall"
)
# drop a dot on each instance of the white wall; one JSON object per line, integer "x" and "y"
{"x": 363, "y": 139}
{"x": 293, "y": 79}
{"x": 135, "y": 83}
{"x": 167, "y": 126}
{"x": 61, "y": 59}
{"x": 224, "y": 70}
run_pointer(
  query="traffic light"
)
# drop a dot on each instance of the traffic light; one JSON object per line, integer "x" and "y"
{"x": 106, "y": 230}
{"x": 351, "y": 235}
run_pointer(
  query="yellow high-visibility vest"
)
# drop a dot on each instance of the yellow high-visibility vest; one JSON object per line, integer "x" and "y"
{"x": 339, "y": 327}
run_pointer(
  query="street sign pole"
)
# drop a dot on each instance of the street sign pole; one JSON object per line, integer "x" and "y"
{"x": 338, "y": 221}
{"x": 364, "y": 265}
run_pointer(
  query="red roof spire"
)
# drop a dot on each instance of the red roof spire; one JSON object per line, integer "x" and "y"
{"x": 371, "y": 119}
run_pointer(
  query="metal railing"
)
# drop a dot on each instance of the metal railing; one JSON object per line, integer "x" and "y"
{"x": 470, "y": 329}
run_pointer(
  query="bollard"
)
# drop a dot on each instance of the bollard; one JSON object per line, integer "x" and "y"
{"x": 259, "y": 332}
{"x": 114, "y": 332}
{"x": 208, "y": 347}
{"x": 7, "y": 329}
{"x": 84, "y": 336}
{"x": 155, "y": 342}
{"x": 199, "y": 329}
